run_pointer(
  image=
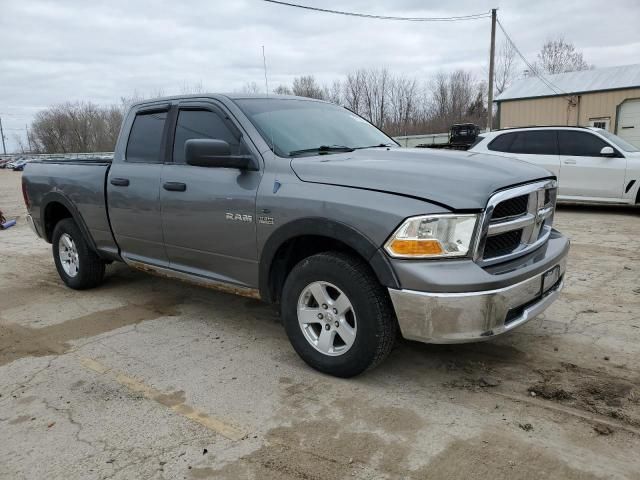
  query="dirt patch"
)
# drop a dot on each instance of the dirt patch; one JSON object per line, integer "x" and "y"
{"x": 474, "y": 384}
{"x": 334, "y": 442}
{"x": 20, "y": 419}
{"x": 17, "y": 341}
{"x": 499, "y": 457}
{"x": 590, "y": 390}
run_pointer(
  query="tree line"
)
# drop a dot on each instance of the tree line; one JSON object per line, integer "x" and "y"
{"x": 397, "y": 104}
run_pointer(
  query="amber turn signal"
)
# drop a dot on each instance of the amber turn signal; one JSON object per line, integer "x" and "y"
{"x": 416, "y": 247}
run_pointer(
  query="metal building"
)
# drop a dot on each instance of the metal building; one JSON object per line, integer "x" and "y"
{"x": 608, "y": 98}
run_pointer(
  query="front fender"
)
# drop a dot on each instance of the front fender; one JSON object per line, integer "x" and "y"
{"x": 324, "y": 227}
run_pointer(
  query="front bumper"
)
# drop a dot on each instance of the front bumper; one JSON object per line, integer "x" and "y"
{"x": 460, "y": 317}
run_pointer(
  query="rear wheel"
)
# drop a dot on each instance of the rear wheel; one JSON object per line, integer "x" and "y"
{"x": 78, "y": 266}
{"x": 338, "y": 317}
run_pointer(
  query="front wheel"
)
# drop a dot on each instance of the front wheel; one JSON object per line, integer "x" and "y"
{"x": 338, "y": 317}
{"x": 78, "y": 266}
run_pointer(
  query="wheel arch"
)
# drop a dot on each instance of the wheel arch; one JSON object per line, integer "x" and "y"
{"x": 301, "y": 238}
{"x": 55, "y": 207}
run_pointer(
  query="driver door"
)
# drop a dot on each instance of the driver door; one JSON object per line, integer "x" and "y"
{"x": 208, "y": 213}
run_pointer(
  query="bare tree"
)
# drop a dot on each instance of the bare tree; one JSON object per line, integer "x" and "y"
{"x": 306, "y": 86}
{"x": 192, "y": 88}
{"x": 354, "y": 90}
{"x": 251, "y": 88}
{"x": 455, "y": 98}
{"x": 76, "y": 127}
{"x": 403, "y": 105}
{"x": 282, "y": 90}
{"x": 333, "y": 93}
{"x": 375, "y": 95}
{"x": 506, "y": 67}
{"x": 559, "y": 56}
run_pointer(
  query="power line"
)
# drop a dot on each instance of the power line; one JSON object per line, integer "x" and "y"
{"x": 475, "y": 16}
{"x": 548, "y": 83}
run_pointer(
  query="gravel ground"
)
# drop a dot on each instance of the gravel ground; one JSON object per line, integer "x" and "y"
{"x": 146, "y": 377}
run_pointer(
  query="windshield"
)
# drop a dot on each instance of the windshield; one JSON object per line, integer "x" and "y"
{"x": 297, "y": 127}
{"x": 617, "y": 141}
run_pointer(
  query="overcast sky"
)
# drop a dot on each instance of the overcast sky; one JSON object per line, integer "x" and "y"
{"x": 69, "y": 50}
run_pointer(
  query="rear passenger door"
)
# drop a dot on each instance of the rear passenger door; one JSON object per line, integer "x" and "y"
{"x": 585, "y": 172}
{"x": 209, "y": 222}
{"x": 534, "y": 146}
{"x": 133, "y": 189}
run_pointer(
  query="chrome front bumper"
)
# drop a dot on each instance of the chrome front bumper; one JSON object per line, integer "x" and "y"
{"x": 474, "y": 316}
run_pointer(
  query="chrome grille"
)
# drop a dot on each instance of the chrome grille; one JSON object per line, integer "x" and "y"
{"x": 502, "y": 244}
{"x": 516, "y": 221}
{"x": 511, "y": 207}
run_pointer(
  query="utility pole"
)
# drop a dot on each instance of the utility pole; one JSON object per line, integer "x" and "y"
{"x": 491, "y": 66}
{"x": 4, "y": 148}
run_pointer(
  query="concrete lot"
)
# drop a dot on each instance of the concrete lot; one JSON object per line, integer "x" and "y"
{"x": 146, "y": 377}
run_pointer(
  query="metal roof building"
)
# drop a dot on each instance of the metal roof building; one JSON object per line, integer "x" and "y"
{"x": 605, "y": 97}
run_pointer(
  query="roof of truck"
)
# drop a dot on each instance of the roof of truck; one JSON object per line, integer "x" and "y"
{"x": 230, "y": 96}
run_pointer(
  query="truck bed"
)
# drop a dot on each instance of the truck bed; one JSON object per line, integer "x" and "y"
{"x": 78, "y": 184}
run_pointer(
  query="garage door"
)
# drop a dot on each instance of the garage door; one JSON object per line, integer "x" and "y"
{"x": 629, "y": 122}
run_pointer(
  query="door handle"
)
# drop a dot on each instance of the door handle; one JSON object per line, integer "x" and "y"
{"x": 569, "y": 162}
{"x": 174, "y": 186}
{"x": 120, "y": 182}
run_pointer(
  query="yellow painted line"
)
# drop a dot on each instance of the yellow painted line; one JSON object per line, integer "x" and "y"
{"x": 168, "y": 400}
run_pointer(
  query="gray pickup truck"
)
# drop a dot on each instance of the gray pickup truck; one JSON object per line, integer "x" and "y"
{"x": 304, "y": 203}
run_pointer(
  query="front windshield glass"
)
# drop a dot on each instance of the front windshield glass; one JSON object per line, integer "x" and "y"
{"x": 617, "y": 141}
{"x": 293, "y": 125}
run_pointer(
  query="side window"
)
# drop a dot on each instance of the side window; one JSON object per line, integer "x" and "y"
{"x": 478, "y": 139}
{"x": 538, "y": 142}
{"x": 580, "y": 144}
{"x": 202, "y": 124}
{"x": 145, "y": 139}
{"x": 502, "y": 143}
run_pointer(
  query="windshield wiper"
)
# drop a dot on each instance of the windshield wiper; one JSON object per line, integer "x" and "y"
{"x": 323, "y": 149}
{"x": 380, "y": 145}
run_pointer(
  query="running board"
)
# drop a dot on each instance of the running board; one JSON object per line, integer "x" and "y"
{"x": 194, "y": 279}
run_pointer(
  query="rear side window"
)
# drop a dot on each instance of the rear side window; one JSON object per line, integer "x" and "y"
{"x": 502, "y": 142}
{"x": 536, "y": 142}
{"x": 202, "y": 124}
{"x": 145, "y": 139}
{"x": 539, "y": 142}
{"x": 478, "y": 139}
{"x": 580, "y": 144}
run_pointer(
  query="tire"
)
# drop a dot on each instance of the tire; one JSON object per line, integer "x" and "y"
{"x": 89, "y": 268}
{"x": 370, "y": 316}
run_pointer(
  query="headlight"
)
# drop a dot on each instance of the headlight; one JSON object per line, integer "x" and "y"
{"x": 431, "y": 236}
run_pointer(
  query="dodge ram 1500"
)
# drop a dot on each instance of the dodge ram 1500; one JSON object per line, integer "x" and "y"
{"x": 306, "y": 204}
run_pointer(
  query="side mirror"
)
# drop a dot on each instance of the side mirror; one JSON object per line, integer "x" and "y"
{"x": 204, "y": 152}
{"x": 607, "y": 152}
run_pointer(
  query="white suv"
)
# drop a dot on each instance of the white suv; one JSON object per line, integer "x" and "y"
{"x": 592, "y": 165}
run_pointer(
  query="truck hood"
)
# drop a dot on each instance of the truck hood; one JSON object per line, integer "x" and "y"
{"x": 457, "y": 180}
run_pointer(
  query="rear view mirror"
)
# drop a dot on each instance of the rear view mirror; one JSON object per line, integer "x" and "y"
{"x": 204, "y": 152}
{"x": 607, "y": 152}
